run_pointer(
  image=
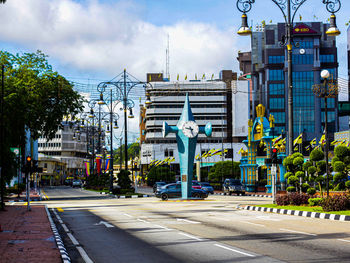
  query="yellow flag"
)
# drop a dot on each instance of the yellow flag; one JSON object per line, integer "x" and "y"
{"x": 322, "y": 140}
{"x": 313, "y": 142}
{"x": 177, "y": 77}
{"x": 203, "y": 77}
{"x": 150, "y": 78}
{"x": 298, "y": 140}
{"x": 195, "y": 76}
{"x": 186, "y": 77}
{"x": 212, "y": 76}
{"x": 300, "y": 17}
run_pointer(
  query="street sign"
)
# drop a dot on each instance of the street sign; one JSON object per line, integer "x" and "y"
{"x": 15, "y": 151}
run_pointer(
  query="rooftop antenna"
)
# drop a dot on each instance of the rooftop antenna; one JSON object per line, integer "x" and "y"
{"x": 167, "y": 74}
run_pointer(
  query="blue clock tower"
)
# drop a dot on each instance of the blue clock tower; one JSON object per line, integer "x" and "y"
{"x": 186, "y": 132}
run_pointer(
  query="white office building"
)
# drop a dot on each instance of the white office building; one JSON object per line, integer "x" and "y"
{"x": 222, "y": 102}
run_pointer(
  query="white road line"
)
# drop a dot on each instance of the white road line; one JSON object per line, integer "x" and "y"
{"x": 234, "y": 250}
{"x": 74, "y": 241}
{"x": 188, "y": 221}
{"x": 250, "y": 223}
{"x": 298, "y": 232}
{"x": 65, "y": 227}
{"x": 141, "y": 220}
{"x": 84, "y": 255}
{"x": 127, "y": 215}
{"x": 190, "y": 236}
{"x": 344, "y": 240}
{"x": 163, "y": 227}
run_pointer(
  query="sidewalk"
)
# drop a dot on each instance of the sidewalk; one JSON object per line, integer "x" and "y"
{"x": 26, "y": 236}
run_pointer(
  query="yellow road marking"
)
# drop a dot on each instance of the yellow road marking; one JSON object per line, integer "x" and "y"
{"x": 59, "y": 209}
{"x": 46, "y": 197}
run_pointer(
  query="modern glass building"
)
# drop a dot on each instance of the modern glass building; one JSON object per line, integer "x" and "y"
{"x": 313, "y": 51}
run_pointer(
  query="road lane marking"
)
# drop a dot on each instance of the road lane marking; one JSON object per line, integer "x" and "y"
{"x": 234, "y": 250}
{"x": 344, "y": 240}
{"x": 141, "y": 220}
{"x": 105, "y": 224}
{"x": 65, "y": 227}
{"x": 127, "y": 215}
{"x": 59, "y": 209}
{"x": 190, "y": 236}
{"x": 250, "y": 223}
{"x": 163, "y": 227}
{"x": 74, "y": 241}
{"x": 188, "y": 221}
{"x": 84, "y": 255}
{"x": 298, "y": 232}
{"x": 268, "y": 218}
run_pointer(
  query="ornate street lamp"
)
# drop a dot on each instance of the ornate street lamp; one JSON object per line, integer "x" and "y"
{"x": 328, "y": 89}
{"x": 120, "y": 90}
{"x": 289, "y": 9}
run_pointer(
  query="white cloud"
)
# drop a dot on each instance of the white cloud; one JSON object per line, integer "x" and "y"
{"x": 107, "y": 37}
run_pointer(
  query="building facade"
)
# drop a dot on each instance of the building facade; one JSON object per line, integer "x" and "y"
{"x": 68, "y": 146}
{"x": 222, "y": 102}
{"x": 313, "y": 51}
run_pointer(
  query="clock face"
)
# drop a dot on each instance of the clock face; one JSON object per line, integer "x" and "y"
{"x": 302, "y": 51}
{"x": 190, "y": 129}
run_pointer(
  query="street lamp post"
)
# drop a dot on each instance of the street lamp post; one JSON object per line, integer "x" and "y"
{"x": 122, "y": 87}
{"x": 289, "y": 9}
{"x": 326, "y": 90}
{"x": 110, "y": 102}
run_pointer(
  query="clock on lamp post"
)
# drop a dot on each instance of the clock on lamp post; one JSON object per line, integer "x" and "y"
{"x": 186, "y": 132}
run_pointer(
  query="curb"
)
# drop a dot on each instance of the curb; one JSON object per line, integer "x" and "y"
{"x": 130, "y": 196}
{"x": 60, "y": 245}
{"x": 297, "y": 213}
{"x": 247, "y": 195}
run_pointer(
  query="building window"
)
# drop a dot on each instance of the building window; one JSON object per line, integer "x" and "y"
{"x": 303, "y": 59}
{"x": 45, "y": 165}
{"x": 276, "y": 59}
{"x": 280, "y": 117}
{"x": 169, "y": 153}
{"x": 276, "y": 74}
{"x": 276, "y": 103}
{"x": 327, "y": 58}
{"x": 276, "y": 89}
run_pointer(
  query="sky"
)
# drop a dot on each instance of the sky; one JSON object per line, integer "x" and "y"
{"x": 89, "y": 41}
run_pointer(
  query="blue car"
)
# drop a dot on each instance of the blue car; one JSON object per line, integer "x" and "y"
{"x": 207, "y": 187}
{"x": 174, "y": 191}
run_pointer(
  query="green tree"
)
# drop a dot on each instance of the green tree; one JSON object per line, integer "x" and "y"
{"x": 223, "y": 170}
{"x": 341, "y": 165}
{"x": 124, "y": 179}
{"x": 160, "y": 174}
{"x": 35, "y": 98}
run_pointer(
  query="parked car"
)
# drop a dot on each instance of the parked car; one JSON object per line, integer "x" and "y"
{"x": 77, "y": 183}
{"x": 195, "y": 184}
{"x": 231, "y": 186}
{"x": 207, "y": 187}
{"x": 174, "y": 190}
{"x": 157, "y": 186}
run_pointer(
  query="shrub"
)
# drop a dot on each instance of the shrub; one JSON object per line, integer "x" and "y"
{"x": 299, "y": 174}
{"x": 311, "y": 191}
{"x": 282, "y": 199}
{"x": 336, "y": 203}
{"x": 311, "y": 170}
{"x": 339, "y": 187}
{"x": 293, "y": 180}
{"x": 338, "y": 166}
{"x": 341, "y": 151}
{"x": 305, "y": 187}
{"x": 291, "y": 189}
{"x": 347, "y": 185}
{"x": 316, "y": 155}
{"x": 298, "y": 199}
{"x": 298, "y": 161}
{"x": 315, "y": 201}
{"x": 288, "y": 174}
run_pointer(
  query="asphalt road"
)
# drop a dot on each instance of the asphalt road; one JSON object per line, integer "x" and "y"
{"x": 214, "y": 230}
